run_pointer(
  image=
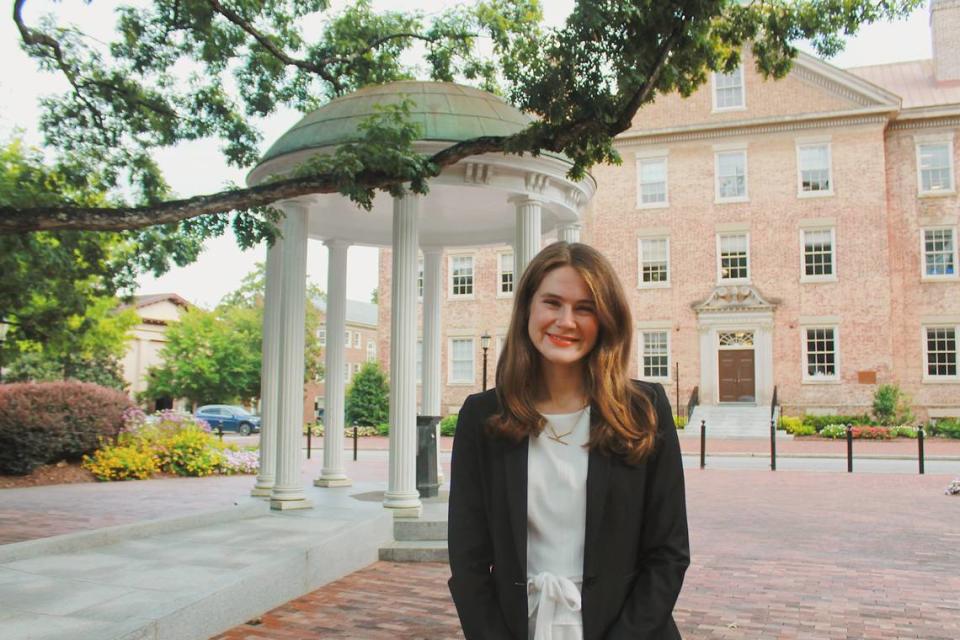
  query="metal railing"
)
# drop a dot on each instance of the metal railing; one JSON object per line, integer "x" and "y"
{"x": 692, "y": 403}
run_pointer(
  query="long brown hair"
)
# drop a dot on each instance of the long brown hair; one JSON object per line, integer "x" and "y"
{"x": 623, "y": 420}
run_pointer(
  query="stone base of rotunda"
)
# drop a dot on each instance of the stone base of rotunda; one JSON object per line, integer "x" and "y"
{"x": 290, "y": 505}
{"x": 333, "y": 482}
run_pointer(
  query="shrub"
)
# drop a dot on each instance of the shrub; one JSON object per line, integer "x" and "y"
{"x": 368, "y": 398}
{"x": 948, "y": 428}
{"x": 383, "y": 429}
{"x": 121, "y": 463}
{"x": 800, "y": 429}
{"x": 46, "y": 422}
{"x": 819, "y": 422}
{"x": 680, "y": 421}
{"x": 867, "y": 432}
{"x": 190, "y": 451}
{"x": 448, "y": 425}
{"x": 891, "y": 406}
{"x": 903, "y": 431}
{"x": 791, "y": 423}
{"x": 834, "y": 431}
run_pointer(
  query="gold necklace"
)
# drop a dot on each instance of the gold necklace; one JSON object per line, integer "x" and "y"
{"x": 559, "y": 437}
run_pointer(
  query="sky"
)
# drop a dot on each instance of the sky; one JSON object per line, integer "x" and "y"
{"x": 198, "y": 167}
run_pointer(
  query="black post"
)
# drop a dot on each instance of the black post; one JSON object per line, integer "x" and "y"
{"x": 485, "y": 368}
{"x": 354, "y": 443}
{"x": 849, "y": 448}
{"x": 309, "y": 433}
{"x": 703, "y": 443}
{"x": 220, "y": 433}
{"x": 773, "y": 444}
{"x": 920, "y": 445}
{"x": 676, "y": 366}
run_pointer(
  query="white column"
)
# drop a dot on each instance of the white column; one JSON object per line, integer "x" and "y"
{"x": 288, "y": 492}
{"x": 432, "y": 288}
{"x": 569, "y": 233}
{"x": 333, "y": 474}
{"x": 528, "y": 232}
{"x": 269, "y": 372}
{"x": 402, "y": 494}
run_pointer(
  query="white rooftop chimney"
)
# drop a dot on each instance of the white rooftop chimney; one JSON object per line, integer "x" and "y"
{"x": 945, "y": 30}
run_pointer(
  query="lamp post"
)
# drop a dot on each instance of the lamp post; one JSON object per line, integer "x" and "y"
{"x": 485, "y": 344}
{"x": 4, "y": 327}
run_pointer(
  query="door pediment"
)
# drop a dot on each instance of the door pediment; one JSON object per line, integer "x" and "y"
{"x": 734, "y": 299}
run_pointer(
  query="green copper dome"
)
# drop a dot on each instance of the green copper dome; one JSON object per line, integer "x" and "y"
{"x": 446, "y": 112}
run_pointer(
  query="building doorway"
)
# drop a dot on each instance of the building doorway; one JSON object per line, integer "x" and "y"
{"x": 736, "y": 366}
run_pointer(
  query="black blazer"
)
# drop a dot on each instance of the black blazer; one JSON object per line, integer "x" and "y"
{"x": 636, "y": 549}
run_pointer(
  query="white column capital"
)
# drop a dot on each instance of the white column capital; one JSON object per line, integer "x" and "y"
{"x": 569, "y": 232}
{"x": 526, "y": 198}
{"x": 338, "y": 243}
{"x": 430, "y": 249}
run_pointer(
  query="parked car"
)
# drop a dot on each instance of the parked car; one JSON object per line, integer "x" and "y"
{"x": 228, "y": 417}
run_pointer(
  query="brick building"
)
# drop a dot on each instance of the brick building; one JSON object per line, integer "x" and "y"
{"x": 360, "y": 342}
{"x": 798, "y": 234}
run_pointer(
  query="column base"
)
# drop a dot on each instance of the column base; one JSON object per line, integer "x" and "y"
{"x": 261, "y": 492}
{"x": 290, "y": 505}
{"x": 405, "y": 512}
{"x": 332, "y": 482}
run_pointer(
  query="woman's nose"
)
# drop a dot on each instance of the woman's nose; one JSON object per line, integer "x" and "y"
{"x": 566, "y": 317}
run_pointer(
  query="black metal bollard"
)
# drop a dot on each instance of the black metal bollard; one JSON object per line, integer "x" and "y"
{"x": 849, "y": 448}
{"x": 354, "y": 443}
{"x": 920, "y": 446}
{"x": 309, "y": 442}
{"x": 773, "y": 444}
{"x": 703, "y": 443}
{"x": 220, "y": 433}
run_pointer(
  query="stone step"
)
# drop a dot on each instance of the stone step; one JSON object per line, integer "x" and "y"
{"x": 415, "y": 551}
{"x": 419, "y": 529}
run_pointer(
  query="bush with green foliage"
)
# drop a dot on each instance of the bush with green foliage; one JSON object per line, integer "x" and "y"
{"x": 945, "y": 428}
{"x": 790, "y": 423}
{"x": 46, "y": 422}
{"x": 680, "y": 421}
{"x": 383, "y": 429}
{"x": 904, "y": 431}
{"x": 834, "y": 431}
{"x": 448, "y": 425}
{"x": 819, "y": 422}
{"x": 122, "y": 463}
{"x": 368, "y": 398}
{"x": 891, "y": 406}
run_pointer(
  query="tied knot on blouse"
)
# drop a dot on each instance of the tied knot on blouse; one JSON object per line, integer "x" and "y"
{"x": 551, "y": 591}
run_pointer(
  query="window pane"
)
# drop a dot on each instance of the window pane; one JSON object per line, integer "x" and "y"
{"x": 729, "y": 89}
{"x": 462, "y": 267}
{"x": 938, "y": 252}
{"x": 818, "y": 252}
{"x": 506, "y": 273}
{"x": 462, "y": 357}
{"x": 653, "y": 256}
{"x": 733, "y": 257}
{"x": 815, "y": 168}
{"x": 731, "y": 174}
{"x": 655, "y": 355}
{"x": 821, "y": 353}
{"x": 935, "y": 167}
{"x": 942, "y": 351}
{"x": 653, "y": 180}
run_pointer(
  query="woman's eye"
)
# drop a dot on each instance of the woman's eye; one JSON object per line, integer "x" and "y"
{"x": 551, "y": 303}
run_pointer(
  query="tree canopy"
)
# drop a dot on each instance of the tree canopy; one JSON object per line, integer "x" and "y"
{"x": 182, "y": 70}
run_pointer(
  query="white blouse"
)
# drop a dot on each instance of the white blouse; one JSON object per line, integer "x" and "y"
{"x": 556, "y": 526}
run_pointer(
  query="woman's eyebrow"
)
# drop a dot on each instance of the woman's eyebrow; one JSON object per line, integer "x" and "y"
{"x": 548, "y": 294}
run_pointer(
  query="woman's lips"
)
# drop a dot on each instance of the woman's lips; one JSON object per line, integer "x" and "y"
{"x": 561, "y": 341}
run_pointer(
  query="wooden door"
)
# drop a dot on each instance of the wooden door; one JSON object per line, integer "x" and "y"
{"x": 736, "y": 375}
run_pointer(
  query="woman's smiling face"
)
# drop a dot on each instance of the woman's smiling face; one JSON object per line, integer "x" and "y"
{"x": 563, "y": 319}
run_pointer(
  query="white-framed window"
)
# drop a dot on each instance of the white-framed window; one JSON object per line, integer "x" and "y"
{"x": 814, "y": 172}
{"x": 655, "y": 354}
{"x": 728, "y": 93}
{"x": 940, "y": 353}
{"x": 346, "y": 339}
{"x": 419, "y": 361}
{"x": 461, "y": 361}
{"x": 935, "y": 170}
{"x": 654, "y": 262}
{"x": 731, "y": 175}
{"x": 505, "y": 274}
{"x": 818, "y": 262}
{"x": 357, "y": 339}
{"x": 939, "y": 250}
{"x": 820, "y": 354}
{"x": 461, "y": 276}
{"x": 652, "y": 181}
{"x": 346, "y": 372}
{"x": 322, "y": 335}
{"x": 733, "y": 257}
{"x": 420, "y": 278}
{"x": 371, "y": 351}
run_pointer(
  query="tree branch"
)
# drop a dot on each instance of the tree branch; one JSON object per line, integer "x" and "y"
{"x": 267, "y": 44}
{"x": 393, "y": 36}
{"x": 22, "y": 220}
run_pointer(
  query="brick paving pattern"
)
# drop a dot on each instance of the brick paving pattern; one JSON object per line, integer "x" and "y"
{"x": 805, "y": 556}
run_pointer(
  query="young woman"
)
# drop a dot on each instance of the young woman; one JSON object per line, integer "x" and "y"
{"x": 567, "y": 515}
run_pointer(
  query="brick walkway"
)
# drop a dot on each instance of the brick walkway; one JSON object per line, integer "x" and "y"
{"x": 802, "y": 556}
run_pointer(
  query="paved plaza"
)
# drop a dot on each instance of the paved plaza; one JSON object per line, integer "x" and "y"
{"x": 787, "y": 554}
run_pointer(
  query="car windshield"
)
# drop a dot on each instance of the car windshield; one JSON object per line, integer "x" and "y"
{"x": 241, "y": 412}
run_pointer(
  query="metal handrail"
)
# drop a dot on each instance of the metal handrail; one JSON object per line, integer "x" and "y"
{"x": 774, "y": 403}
